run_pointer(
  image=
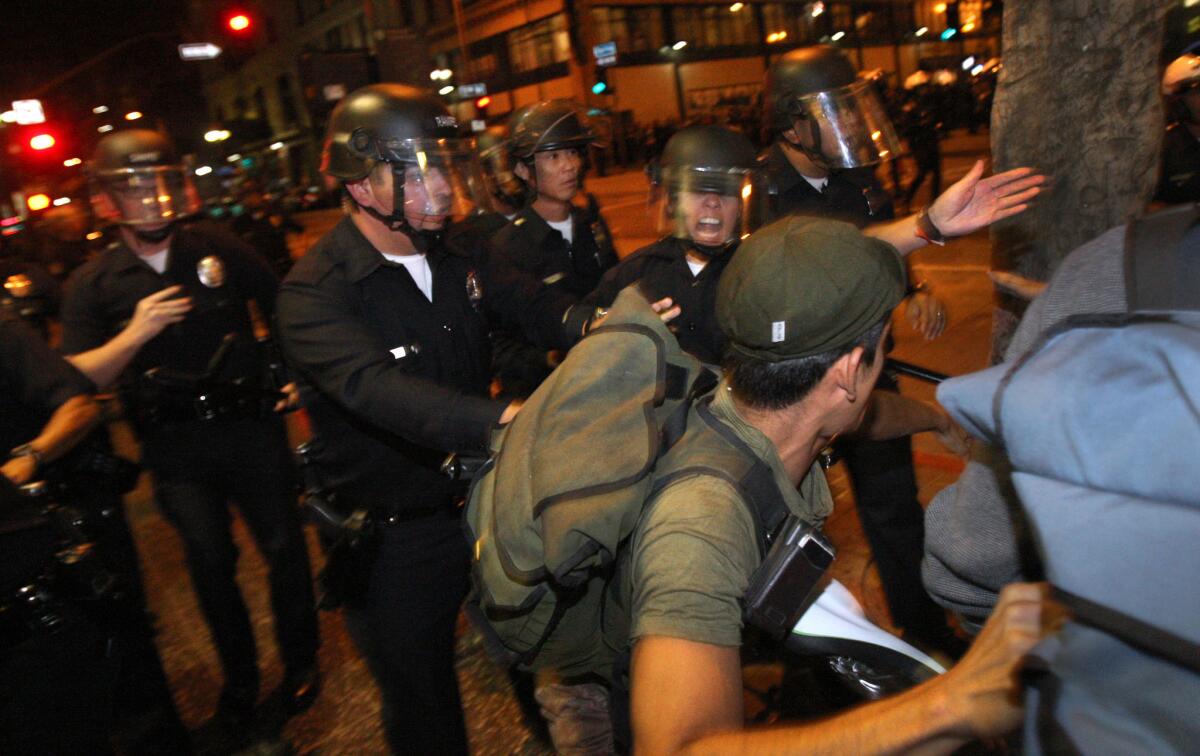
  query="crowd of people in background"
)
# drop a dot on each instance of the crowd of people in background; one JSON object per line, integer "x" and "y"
{"x": 448, "y": 301}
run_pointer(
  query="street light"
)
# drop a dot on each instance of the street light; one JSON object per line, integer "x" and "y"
{"x": 100, "y": 109}
{"x": 133, "y": 115}
{"x": 736, "y": 7}
{"x": 71, "y": 162}
{"x": 838, "y": 35}
{"x": 446, "y": 89}
{"x": 204, "y": 170}
{"x": 216, "y": 135}
{"x": 679, "y": 45}
{"x": 276, "y": 145}
{"x": 105, "y": 128}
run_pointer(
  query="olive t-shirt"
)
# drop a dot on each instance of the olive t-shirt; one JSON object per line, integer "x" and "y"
{"x": 691, "y": 555}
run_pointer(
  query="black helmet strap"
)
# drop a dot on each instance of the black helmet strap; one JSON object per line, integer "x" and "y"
{"x": 422, "y": 239}
{"x": 156, "y": 236}
{"x": 814, "y": 152}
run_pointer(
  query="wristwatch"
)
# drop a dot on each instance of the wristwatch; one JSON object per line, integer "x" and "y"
{"x": 27, "y": 450}
{"x": 927, "y": 231}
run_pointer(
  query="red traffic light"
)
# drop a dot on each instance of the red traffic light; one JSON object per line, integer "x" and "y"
{"x": 483, "y": 102}
{"x": 238, "y": 22}
{"x": 42, "y": 141}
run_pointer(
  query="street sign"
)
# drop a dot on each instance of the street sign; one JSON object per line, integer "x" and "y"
{"x": 467, "y": 91}
{"x": 29, "y": 112}
{"x": 605, "y": 53}
{"x": 199, "y": 51}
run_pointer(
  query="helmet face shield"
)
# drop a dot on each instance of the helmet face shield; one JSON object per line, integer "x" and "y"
{"x": 497, "y": 166}
{"x": 847, "y": 127}
{"x": 711, "y": 207}
{"x": 147, "y": 196}
{"x": 438, "y": 182}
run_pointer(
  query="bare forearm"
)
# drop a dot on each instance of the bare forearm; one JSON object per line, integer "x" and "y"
{"x": 918, "y": 721}
{"x": 901, "y": 234}
{"x": 104, "y": 364}
{"x": 891, "y": 415}
{"x": 69, "y": 425}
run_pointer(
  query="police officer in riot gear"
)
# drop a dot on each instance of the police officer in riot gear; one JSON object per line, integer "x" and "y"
{"x": 566, "y": 246}
{"x": 708, "y": 192}
{"x": 164, "y": 301}
{"x": 830, "y": 131}
{"x": 1179, "y": 177}
{"x": 507, "y": 193}
{"x": 384, "y": 321}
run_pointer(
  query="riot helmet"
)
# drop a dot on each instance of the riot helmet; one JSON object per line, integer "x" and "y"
{"x": 491, "y": 145}
{"x": 433, "y": 173}
{"x": 838, "y": 117}
{"x": 137, "y": 180}
{"x": 550, "y": 125}
{"x": 1182, "y": 74}
{"x": 1181, "y": 85}
{"x": 707, "y": 188}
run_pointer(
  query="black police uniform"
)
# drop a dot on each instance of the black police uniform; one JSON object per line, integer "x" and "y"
{"x": 885, "y": 485}
{"x": 60, "y": 697}
{"x": 529, "y": 245}
{"x": 854, "y": 196}
{"x": 392, "y": 381}
{"x": 199, "y": 466}
{"x": 1180, "y": 177}
{"x": 661, "y": 270}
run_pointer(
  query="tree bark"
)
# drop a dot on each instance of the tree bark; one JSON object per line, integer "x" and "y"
{"x": 1078, "y": 99}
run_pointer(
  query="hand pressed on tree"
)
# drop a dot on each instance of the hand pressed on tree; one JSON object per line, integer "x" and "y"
{"x": 973, "y": 202}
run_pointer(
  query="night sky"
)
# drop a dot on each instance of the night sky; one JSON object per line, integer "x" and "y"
{"x": 41, "y": 39}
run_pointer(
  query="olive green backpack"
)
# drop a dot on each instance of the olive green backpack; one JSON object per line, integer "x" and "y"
{"x": 567, "y": 480}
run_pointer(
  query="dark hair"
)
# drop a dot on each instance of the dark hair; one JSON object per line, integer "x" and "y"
{"x": 775, "y": 385}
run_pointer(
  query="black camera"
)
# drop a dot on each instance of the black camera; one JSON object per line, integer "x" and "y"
{"x": 791, "y": 577}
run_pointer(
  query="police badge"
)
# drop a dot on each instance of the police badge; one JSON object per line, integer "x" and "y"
{"x": 211, "y": 271}
{"x": 474, "y": 290}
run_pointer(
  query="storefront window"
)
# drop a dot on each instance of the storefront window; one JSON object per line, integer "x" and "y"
{"x": 634, "y": 29}
{"x": 539, "y": 44}
{"x": 714, "y": 25}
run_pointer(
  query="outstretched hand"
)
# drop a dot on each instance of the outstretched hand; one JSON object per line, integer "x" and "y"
{"x": 156, "y": 312}
{"x": 973, "y": 202}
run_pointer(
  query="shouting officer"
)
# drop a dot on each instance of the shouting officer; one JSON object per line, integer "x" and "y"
{"x": 165, "y": 312}
{"x": 564, "y": 245}
{"x": 384, "y": 322}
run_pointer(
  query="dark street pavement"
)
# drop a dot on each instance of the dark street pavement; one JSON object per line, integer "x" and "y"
{"x": 344, "y": 719}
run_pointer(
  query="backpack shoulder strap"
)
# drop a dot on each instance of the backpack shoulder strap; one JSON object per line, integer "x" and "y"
{"x": 742, "y": 468}
{"x": 1162, "y": 261}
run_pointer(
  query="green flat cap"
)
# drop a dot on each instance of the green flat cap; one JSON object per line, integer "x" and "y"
{"x": 802, "y": 286}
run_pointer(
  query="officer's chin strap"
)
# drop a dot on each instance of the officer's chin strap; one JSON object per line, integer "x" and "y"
{"x": 156, "y": 236}
{"x": 713, "y": 250}
{"x": 422, "y": 239}
{"x": 813, "y": 153}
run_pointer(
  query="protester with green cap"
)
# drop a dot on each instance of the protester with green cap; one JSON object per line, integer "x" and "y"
{"x": 805, "y": 306}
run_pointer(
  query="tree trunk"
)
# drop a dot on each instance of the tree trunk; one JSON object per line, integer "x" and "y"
{"x": 1078, "y": 99}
